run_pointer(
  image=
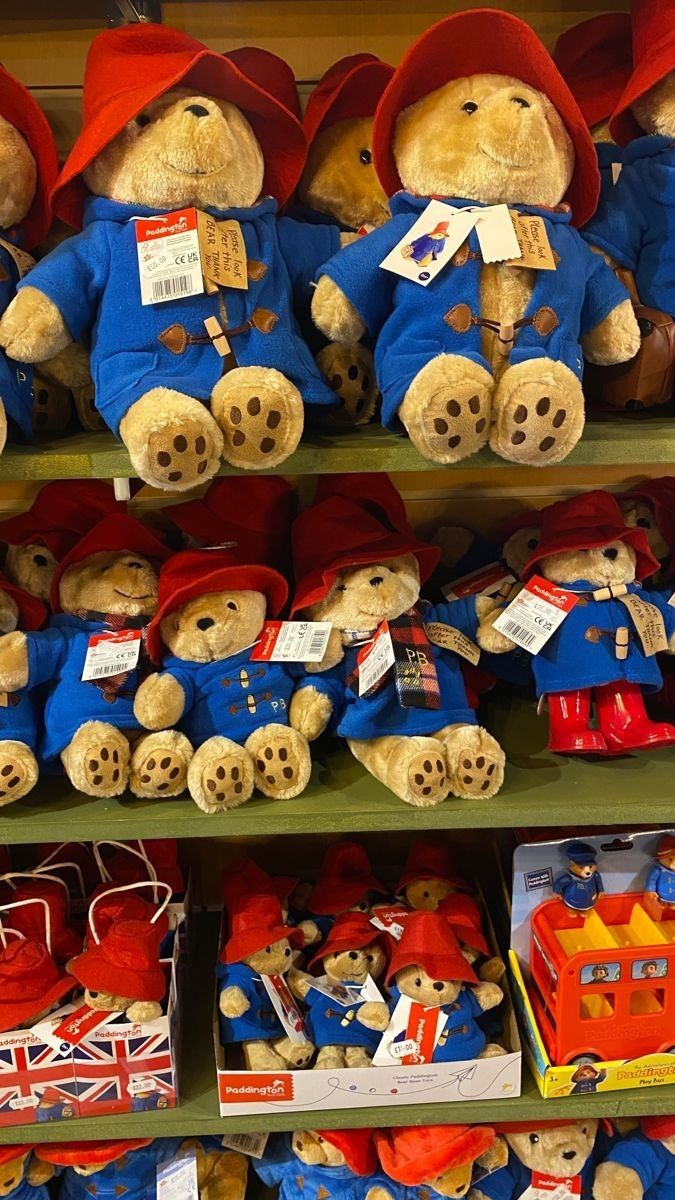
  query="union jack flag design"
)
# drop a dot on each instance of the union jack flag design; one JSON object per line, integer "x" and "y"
{"x": 105, "y": 1067}
{"x": 28, "y": 1070}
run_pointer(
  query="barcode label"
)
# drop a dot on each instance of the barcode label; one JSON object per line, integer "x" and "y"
{"x": 174, "y": 285}
{"x": 111, "y": 654}
{"x": 252, "y": 1144}
{"x": 169, "y": 259}
{"x": 292, "y": 641}
{"x": 535, "y": 614}
{"x": 523, "y": 636}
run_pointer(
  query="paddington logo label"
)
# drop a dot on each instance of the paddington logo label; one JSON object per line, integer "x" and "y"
{"x": 559, "y": 599}
{"x": 256, "y": 1087}
{"x": 179, "y": 226}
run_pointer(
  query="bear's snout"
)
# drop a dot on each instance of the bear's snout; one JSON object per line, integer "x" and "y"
{"x": 205, "y": 623}
{"x": 611, "y": 552}
{"x": 568, "y": 1155}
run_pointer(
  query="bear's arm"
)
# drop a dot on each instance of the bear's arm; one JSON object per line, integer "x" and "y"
{"x": 47, "y": 653}
{"x": 73, "y": 277}
{"x": 604, "y": 292}
{"x": 329, "y": 683}
{"x": 304, "y": 248}
{"x": 357, "y": 272}
{"x": 163, "y": 698}
{"x": 647, "y": 1158}
{"x": 620, "y": 221}
{"x": 461, "y": 614}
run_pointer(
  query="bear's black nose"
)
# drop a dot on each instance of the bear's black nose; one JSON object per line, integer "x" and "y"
{"x": 205, "y": 622}
{"x": 438, "y": 987}
{"x": 610, "y": 552}
{"x": 376, "y": 581}
{"x": 197, "y": 110}
{"x": 568, "y": 1155}
{"x": 39, "y": 560}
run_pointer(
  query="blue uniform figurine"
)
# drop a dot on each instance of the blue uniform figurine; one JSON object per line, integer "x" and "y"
{"x": 580, "y": 884}
{"x": 661, "y": 878}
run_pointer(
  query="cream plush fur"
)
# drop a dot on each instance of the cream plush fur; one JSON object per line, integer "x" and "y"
{"x": 511, "y": 153}
{"x": 459, "y": 759}
{"x": 614, "y": 1181}
{"x": 31, "y": 567}
{"x": 655, "y": 111}
{"x": 222, "y": 774}
{"x": 279, "y": 1055}
{"x": 142, "y": 1011}
{"x": 170, "y": 161}
{"x": 559, "y": 1152}
{"x": 314, "y": 1150}
{"x": 354, "y": 966}
{"x": 24, "y": 1166}
{"x": 414, "y": 982}
{"x": 638, "y": 512}
{"x": 100, "y": 760}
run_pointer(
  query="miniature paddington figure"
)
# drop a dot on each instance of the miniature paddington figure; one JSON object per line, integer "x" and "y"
{"x": 580, "y": 884}
{"x": 551, "y": 1150}
{"x": 640, "y": 1166}
{"x": 661, "y": 879}
{"x": 424, "y": 1162}
{"x": 129, "y": 1168}
{"x": 650, "y": 505}
{"x": 317, "y": 1164}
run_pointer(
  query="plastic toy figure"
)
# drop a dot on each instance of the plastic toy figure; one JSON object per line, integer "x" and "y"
{"x": 580, "y": 884}
{"x": 586, "y": 1079}
{"x": 661, "y": 879}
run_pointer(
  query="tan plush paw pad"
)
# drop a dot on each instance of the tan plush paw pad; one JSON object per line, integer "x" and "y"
{"x": 476, "y": 763}
{"x": 350, "y": 371}
{"x": 159, "y": 767}
{"x": 282, "y": 761}
{"x": 427, "y": 777}
{"x": 103, "y": 767}
{"x": 261, "y": 415}
{"x": 225, "y": 782}
{"x": 447, "y": 409}
{"x": 537, "y": 419}
{"x": 183, "y": 454}
{"x": 18, "y": 771}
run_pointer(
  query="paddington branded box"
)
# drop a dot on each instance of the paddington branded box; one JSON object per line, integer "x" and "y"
{"x": 119, "y": 1067}
{"x": 243, "y": 1092}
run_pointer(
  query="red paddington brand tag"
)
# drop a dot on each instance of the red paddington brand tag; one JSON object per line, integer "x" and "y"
{"x": 292, "y": 641}
{"x": 550, "y": 1187}
{"x": 375, "y": 659}
{"x": 535, "y": 614}
{"x": 486, "y": 581}
{"x": 169, "y": 261}
{"x": 421, "y": 1029}
{"x": 111, "y": 654}
{"x": 77, "y": 1025}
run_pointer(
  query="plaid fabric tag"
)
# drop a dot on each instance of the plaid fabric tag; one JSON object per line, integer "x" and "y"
{"x": 416, "y": 678}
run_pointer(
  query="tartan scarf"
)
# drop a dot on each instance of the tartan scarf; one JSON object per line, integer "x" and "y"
{"x": 414, "y": 667}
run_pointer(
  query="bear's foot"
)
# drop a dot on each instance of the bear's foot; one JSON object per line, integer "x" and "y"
{"x": 538, "y": 413}
{"x": 493, "y": 1050}
{"x": 261, "y": 415}
{"x": 18, "y": 771}
{"x": 221, "y": 775}
{"x": 86, "y": 410}
{"x": 173, "y": 441}
{"x": 358, "y": 1056}
{"x": 295, "y": 1055}
{"x": 475, "y": 759}
{"x": 330, "y": 1058}
{"x": 282, "y": 760}
{"x": 159, "y": 764}
{"x": 261, "y": 1056}
{"x": 144, "y": 1011}
{"x": 51, "y": 406}
{"x": 350, "y": 371}
{"x": 446, "y": 409}
{"x": 97, "y": 760}
{"x": 413, "y": 768}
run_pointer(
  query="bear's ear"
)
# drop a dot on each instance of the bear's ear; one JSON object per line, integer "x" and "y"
{"x": 496, "y": 1157}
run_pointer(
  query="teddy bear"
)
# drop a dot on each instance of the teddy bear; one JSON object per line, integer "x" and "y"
{"x": 359, "y": 564}
{"x": 129, "y": 1167}
{"x": 557, "y": 1150}
{"x": 20, "y": 717}
{"x": 465, "y": 553}
{"x": 32, "y": 984}
{"x": 236, "y": 712}
{"x": 345, "y": 883}
{"x": 429, "y": 969}
{"x": 432, "y": 1160}
{"x": 243, "y": 878}
{"x": 23, "y": 1176}
{"x": 346, "y": 1031}
{"x": 37, "y": 539}
{"x": 605, "y": 650}
{"x": 260, "y": 946}
{"x": 651, "y": 506}
{"x": 481, "y": 350}
{"x": 105, "y": 586}
{"x": 641, "y": 1165}
{"x": 265, "y": 522}
{"x": 312, "y": 1163}
{"x": 203, "y": 370}
{"x": 120, "y": 967}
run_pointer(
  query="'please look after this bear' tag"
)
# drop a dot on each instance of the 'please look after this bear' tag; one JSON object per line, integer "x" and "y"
{"x": 183, "y": 253}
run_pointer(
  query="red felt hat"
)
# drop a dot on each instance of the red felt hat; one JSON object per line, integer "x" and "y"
{"x": 116, "y": 906}
{"x": 586, "y": 522}
{"x": 256, "y": 512}
{"x": 345, "y": 878}
{"x": 355, "y": 520}
{"x": 595, "y": 58}
{"x": 125, "y": 962}
{"x": 507, "y": 1127}
{"x": 429, "y": 942}
{"x": 75, "y": 1154}
{"x": 18, "y": 106}
{"x": 352, "y": 87}
{"x": 61, "y": 513}
{"x": 480, "y": 41}
{"x": 132, "y": 65}
{"x": 429, "y": 860}
{"x": 357, "y": 1146}
{"x": 271, "y": 73}
{"x": 193, "y": 573}
{"x": 421, "y": 1153}
{"x": 659, "y": 494}
{"x": 523, "y": 519}
{"x": 653, "y": 57}
{"x": 117, "y": 533}
{"x": 350, "y": 931}
{"x": 9, "y": 1153}
{"x": 30, "y": 982}
{"x": 257, "y": 925}
{"x": 32, "y": 612}
{"x": 658, "y": 1128}
{"x": 465, "y": 923}
{"x": 244, "y": 878}
{"x": 123, "y": 866}
{"x": 666, "y": 845}
{"x": 30, "y": 920}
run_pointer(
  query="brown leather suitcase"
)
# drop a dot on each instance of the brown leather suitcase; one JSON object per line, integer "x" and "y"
{"x": 646, "y": 381}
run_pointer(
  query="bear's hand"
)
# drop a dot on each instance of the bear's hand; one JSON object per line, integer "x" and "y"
{"x": 486, "y": 605}
{"x": 378, "y": 1193}
{"x": 310, "y": 712}
{"x": 144, "y": 1011}
{"x": 488, "y": 995}
{"x": 232, "y": 1002}
{"x": 13, "y": 662}
{"x": 348, "y": 237}
{"x": 374, "y": 1014}
{"x": 159, "y": 702}
{"x": 311, "y": 931}
{"x": 614, "y": 340}
{"x": 334, "y": 654}
{"x": 33, "y": 330}
{"x": 299, "y": 982}
{"x": 334, "y": 315}
{"x": 491, "y": 639}
{"x": 70, "y": 367}
{"x": 39, "y": 1172}
{"x": 613, "y": 1181}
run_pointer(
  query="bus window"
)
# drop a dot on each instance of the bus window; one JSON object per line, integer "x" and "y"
{"x": 646, "y": 1001}
{"x": 595, "y": 1005}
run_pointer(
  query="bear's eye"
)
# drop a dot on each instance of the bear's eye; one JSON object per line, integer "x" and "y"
{"x": 366, "y": 157}
{"x": 469, "y": 108}
{"x": 142, "y": 120}
{"x": 519, "y": 100}
{"x": 584, "y": 1131}
{"x": 418, "y": 983}
{"x": 320, "y": 1141}
{"x": 425, "y": 895}
{"x": 532, "y": 544}
{"x": 341, "y": 587}
{"x": 370, "y": 957}
{"x": 39, "y": 560}
{"x": 534, "y": 1139}
{"x": 136, "y": 565}
{"x": 231, "y": 604}
{"x": 267, "y": 950}
{"x": 643, "y": 522}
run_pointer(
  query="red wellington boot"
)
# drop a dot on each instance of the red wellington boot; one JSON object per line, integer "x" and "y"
{"x": 568, "y": 724}
{"x": 624, "y": 721}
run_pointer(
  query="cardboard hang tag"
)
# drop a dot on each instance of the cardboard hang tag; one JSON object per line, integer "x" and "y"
{"x": 223, "y": 252}
{"x": 430, "y": 243}
{"x": 535, "y": 248}
{"x": 177, "y": 1178}
{"x": 285, "y": 1007}
{"x": 496, "y": 234}
{"x": 449, "y": 638}
{"x": 23, "y": 261}
{"x": 551, "y": 1187}
{"x": 648, "y": 622}
{"x": 410, "y": 1024}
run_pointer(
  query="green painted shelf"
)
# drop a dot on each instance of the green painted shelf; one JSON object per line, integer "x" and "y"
{"x": 84, "y": 455}
{"x": 198, "y": 1113}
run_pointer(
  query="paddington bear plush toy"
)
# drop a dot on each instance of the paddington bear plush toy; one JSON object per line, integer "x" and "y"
{"x": 22, "y": 1175}
{"x": 129, "y": 1168}
{"x": 641, "y": 1166}
{"x": 486, "y": 350}
{"x": 20, "y": 716}
{"x": 312, "y": 1163}
{"x": 605, "y": 649}
{"x": 556, "y": 1150}
{"x": 196, "y": 370}
{"x": 650, "y": 505}
{"x": 431, "y": 1161}
{"x": 31, "y": 982}
{"x": 346, "y": 883}
{"x": 358, "y": 564}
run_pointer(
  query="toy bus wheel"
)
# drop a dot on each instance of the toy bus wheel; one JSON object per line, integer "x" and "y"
{"x": 583, "y": 1059}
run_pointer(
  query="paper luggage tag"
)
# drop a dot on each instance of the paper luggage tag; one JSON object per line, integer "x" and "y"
{"x": 496, "y": 234}
{"x": 375, "y": 659}
{"x": 77, "y": 1025}
{"x": 169, "y": 261}
{"x": 649, "y": 624}
{"x": 348, "y": 995}
{"x": 431, "y": 242}
{"x": 535, "y": 614}
{"x": 177, "y": 1178}
{"x": 285, "y": 1007}
{"x": 390, "y": 920}
{"x": 533, "y": 243}
{"x": 617, "y": 168}
{"x": 292, "y": 641}
{"x": 453, "y": 639}
{"x": 111, "y": 654}
{"x": 547, "y": 1187}
{"x": 223, "y": 252}
{"x": 251, "y": 1144}
{"x": 23, "y": 261}
{"x": 411, "y": 1035}
{"x": 486, "y": 581}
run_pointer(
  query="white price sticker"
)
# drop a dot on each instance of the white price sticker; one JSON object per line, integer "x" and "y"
{"x": 431, "y": 242}
{"x": 111, "y": 654}
{"x": 251, "y": 1144}
{"x": 292, "y": 641}
{"x": 375, "y": 659}
{"x": 535, "y": 614}
{"x": 177, "y": 1178}
{"x": 400, "y": 1049}
{"x": 169, "y": 260}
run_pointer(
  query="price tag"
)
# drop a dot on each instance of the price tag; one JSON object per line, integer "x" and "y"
{"x": 77, "y": 1025}
{"x": 169, "y": 261}
{"x": 390, "y": 920}
{"x": 111, "y": 654}
{"x": 486, "y": 581}
{"x": 285, "y": 1007}
{"x": 410, "y": 1023}
{"x": 23, "y": 261}
{"x": 375, "y": 659}
{"x": 177, "y": 1178}
{"x": 292, "y": 641}
{"x": 548, "y": 1187}
{"x": 431, "y": 242}
{"x": 496, "y": 234}
{"x": 535, "y": 614}
{"x": 347, "y": 996}
{"x": 401, "y": 1049}
{"x": 533, "y": 244}
{"x": 251, "y": 1144}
